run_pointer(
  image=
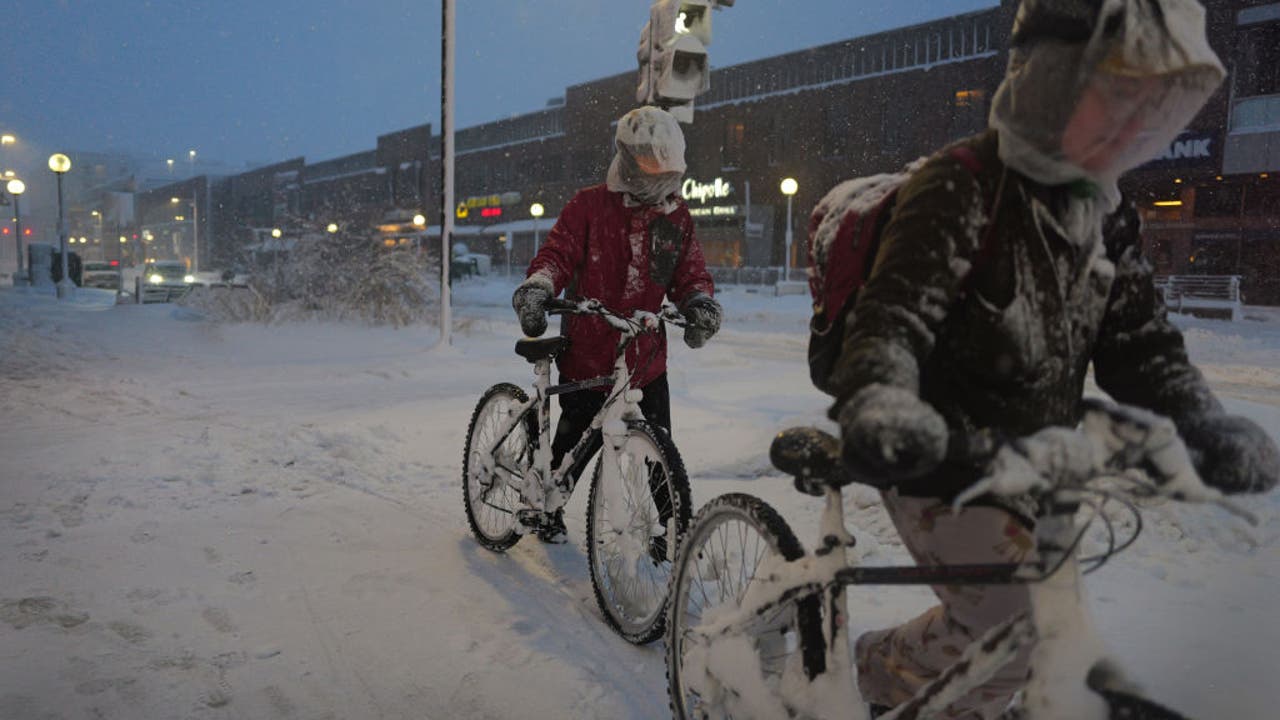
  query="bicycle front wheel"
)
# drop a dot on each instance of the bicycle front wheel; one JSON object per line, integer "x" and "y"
{"x": 729, "y": 545}
{"x": 489, "y": 496}
{"x": 636, "y": 514}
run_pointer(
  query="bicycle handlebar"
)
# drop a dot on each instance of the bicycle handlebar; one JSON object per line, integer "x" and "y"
{"x": 1139, "y": 449}
{"x": 639, "y": 321}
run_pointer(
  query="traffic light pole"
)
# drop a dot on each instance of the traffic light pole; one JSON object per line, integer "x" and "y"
{"x": 446, "y": 165}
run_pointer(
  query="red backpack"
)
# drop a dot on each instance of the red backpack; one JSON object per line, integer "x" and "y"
{"x": 844, "y": 237}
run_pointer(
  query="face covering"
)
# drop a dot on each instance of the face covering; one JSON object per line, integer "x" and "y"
{"x": 1091, "y": 96}
{"x": 649, "y": 160}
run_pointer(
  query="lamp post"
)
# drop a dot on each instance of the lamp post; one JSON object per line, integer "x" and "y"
{"x": 536, "y": 211}
{"x": 191, "y": 158}
{"x": 60, "y": 164}
{"x": 97, "y": 237}
{"x": 169, "y": 162}
{"x": 195, "y": 231}
{"x": 16, "y": 187}
{"x": 789, "y": 187}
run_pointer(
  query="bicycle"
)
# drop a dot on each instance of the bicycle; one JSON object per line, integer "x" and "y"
{"x": 639, "y": 504}
{"x": 757, "y": 627}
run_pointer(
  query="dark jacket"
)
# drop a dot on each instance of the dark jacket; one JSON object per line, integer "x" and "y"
{"x": 997, "y": 332}
{"x": 629, "y": 257}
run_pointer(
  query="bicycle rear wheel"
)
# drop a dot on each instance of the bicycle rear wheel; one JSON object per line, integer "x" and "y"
{"x": 636, "y": 515}
{"x": 729, "y": 542}
{"x": 488, "y": 496}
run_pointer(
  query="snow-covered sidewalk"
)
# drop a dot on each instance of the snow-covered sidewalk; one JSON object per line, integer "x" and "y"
{"x": 247, "y": 521}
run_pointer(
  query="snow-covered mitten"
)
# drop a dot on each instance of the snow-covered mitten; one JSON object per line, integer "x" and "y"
{"x": 702, "y": 314}
{"x": 530, "y": 304}
{"x": 889, "y": 434}
{"x": 1232, "y": 453}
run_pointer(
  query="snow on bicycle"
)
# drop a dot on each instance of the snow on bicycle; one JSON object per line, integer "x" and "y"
{"x": 639, "y": 503}
{"x": 757, "y": 627}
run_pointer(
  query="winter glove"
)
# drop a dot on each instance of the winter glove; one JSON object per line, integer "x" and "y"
{"x": 702, "y": 317}
{"x": 889, "y": 434}
{"x": 1232, "y": 453}
{"x": 529, "y": 302}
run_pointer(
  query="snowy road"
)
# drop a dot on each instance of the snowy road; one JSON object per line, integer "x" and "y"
{"x": 205, "y": 521}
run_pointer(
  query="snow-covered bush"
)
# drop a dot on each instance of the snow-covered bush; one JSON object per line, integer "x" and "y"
{"x": 341, "y": 275}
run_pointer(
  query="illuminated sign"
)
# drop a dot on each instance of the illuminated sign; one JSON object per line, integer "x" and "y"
{"x": 717, "y": 189}
{"x": 490, "y": 212}
{"x": 1188, "y": 149}
{"x": 714, "y": 211}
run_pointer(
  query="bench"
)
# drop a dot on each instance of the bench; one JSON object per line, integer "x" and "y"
{"x": 1213, "y": 296}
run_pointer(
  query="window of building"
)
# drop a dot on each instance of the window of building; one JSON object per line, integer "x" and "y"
{"x": 1258, "y": 65}
{"x": 968, "y": 112}
{"x": 1218, "y": 200}
{"x": 837, "y": 131}
{"x": 735, "y": 136}
{"x": 1262, "y": 200}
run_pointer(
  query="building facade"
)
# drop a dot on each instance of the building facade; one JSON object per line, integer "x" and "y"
{"x": 1211, "y": 203}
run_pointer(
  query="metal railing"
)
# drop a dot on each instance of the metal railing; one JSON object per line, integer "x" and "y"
{"x": 1209, "y": 295}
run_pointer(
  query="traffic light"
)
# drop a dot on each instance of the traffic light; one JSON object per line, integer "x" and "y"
{"x": 673, "y": 55}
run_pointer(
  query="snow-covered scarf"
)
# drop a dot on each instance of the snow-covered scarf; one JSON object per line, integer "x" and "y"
{"x": 649, "y": 162}
{"x": 1143, "y": 70}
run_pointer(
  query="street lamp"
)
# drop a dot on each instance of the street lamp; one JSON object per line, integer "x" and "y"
{"x": 191, "y": 158}
{"x": 169, "y": 162}
{"x": 16, "y": 188}
{"x": 195, "y": 231}
{"x": 7, "y": 139}
{"x": 536, "y": 211}
{"x": 275, "y": 233}
{"x": 789, "y": 187}
{"x": 60, "y": 164}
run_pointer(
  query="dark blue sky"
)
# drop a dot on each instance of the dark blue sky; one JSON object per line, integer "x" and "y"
{"x": 264, "y": 80}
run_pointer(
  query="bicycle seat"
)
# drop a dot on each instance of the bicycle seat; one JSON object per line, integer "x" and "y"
{"x": 812, "y": 457}
{"x": 541, "y": 348}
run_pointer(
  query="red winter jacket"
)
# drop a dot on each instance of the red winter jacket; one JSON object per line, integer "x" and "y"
{"x": 627, "y": 258}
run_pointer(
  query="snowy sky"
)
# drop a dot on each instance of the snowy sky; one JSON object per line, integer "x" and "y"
{"x": 264, "y": 80}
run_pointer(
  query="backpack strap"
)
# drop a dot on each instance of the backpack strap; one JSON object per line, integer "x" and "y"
{"x": 966, "y": 156}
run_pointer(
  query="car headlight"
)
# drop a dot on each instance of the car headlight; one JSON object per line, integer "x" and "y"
{"x": 156, "y": 279}
{"x": 188, "y": 278}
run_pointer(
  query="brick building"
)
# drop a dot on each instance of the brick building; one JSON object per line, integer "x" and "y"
{"x": 864, "y": 105}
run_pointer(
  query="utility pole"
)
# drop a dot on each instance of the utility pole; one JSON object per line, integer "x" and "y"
{"x": 446, "y": 165}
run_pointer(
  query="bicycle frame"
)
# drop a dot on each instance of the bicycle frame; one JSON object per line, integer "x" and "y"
{"x": 1072, "y": 675}
{"x": 543, "y": 488}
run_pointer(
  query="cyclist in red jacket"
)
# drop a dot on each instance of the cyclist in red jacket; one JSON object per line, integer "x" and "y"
{"x": 628, "y": 243}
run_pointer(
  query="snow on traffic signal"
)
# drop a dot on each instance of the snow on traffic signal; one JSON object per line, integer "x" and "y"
{"x": 673, "y": 55}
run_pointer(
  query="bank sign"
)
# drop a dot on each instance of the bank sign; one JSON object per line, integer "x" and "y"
{"x": 1187, "y": 150}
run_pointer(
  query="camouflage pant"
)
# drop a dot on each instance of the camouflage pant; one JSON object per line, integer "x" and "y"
{"x": 894, "y": 663}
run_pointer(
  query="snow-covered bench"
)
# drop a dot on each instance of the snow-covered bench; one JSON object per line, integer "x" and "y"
{"x": 1202, "y": 295}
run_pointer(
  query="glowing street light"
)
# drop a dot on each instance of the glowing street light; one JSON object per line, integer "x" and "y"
{"x": 16, "y": 187}
{"x": 275, "y": 232}
{"x": 332, "y": 228}
{"x": 7, "y": 139}
{"x": 419, "y": 220}
{"x": 789, "y": 187}
{"x": 536, "y": 210}
{"x": 60, "y": 164}
{"x": 169, "y": 162}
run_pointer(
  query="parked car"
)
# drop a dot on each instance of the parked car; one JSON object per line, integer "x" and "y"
{"x": 105, "y": 275}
